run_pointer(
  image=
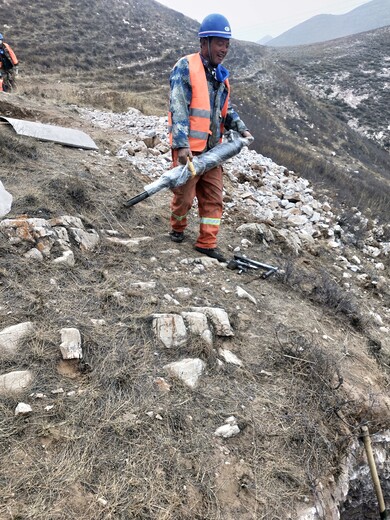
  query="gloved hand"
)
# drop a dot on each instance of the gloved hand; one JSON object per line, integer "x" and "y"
{"x": 16, "y": 70}
{"x": 183, "y": 154}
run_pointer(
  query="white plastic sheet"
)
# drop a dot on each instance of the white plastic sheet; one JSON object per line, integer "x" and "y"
{"x": 5, "y": 201}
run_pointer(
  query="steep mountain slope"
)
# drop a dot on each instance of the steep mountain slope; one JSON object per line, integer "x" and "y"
{"x": 116, "y": 54}
{"x": 325, "y": 27}
{"x": 353, "y": 74}
{"x": 292, "y": 368}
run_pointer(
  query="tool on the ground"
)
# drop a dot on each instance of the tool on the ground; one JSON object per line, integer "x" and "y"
{"x": 199, "y": 165}
{"x": 243, "y": 264}
{"x": 374, "y": 473}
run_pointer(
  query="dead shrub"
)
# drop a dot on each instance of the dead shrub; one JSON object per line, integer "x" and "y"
{"x": 329, "y": 293}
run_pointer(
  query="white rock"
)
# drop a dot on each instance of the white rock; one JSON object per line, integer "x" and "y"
{"x": 297, "y": 220}
{"x": 23, "y": 409}
{"x": 170, "y": 299}
{"x": 245, "y": 243}
{"x": 207, "y": 261}
{"x": 5, "y": 201}
{"x": 57, "y": 391}
{"x": 219, "y": 318}
{"x": 67, "y": 258}
{"x": 67, "y": 221}
{"x": 131, "y": 243}
{"x": 98, "y": 322}
{"x": 170, "y": 329}
{"x": 377, "y": 318}
{"x": 34, "y": 254}
{"x": 231, "y": 420}
{"x": 14, "y": 382}
{"x": 188, "y": 370}
{"x": 87, "y": 240}
{"x": 229, "y": 357}
{"x": 227, "y": 430}
{"x": 241, "y": 293}
{"x": 198, "y": 326}
{"x": 183, "y": 293}
{"x": 11, "y": 336}
{"x": 71, "y": 343}
{"x": 143, "y": 286}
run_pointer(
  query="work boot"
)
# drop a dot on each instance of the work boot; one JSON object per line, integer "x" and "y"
{"x": 176, "y": 236}
{"x": 212, "y": 253}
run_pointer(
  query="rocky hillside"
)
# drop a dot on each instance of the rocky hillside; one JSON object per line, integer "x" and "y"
{"x": 353, "y": 75}
{"x": 118, "y": 54}
{"x": 325, "y": 27}
{"x": 139, "y": 380}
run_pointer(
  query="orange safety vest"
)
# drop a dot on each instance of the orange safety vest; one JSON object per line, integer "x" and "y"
{"x": 12, "y": 55}
{"x": 200, "y": 110}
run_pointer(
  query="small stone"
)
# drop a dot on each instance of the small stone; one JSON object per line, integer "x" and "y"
{"x": 162, "y": 385}
{"x": 71, "y": 343}
{"x": 227, "y": 430}
{"x": 23, "y": 409}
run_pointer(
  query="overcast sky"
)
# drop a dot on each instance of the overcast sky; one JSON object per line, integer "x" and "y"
{"x": 253, "y": 19}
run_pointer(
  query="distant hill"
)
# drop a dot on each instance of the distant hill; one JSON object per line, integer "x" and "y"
{"x": 264, "y": 40}
{"x": 326, "y": 27}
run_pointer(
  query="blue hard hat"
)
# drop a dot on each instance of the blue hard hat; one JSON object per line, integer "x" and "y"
{"x": 215, "y": 25}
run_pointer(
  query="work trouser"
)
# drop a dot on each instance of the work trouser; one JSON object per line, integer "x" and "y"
{"x": 207, "y": 188}
{"x": 9, "y": 79}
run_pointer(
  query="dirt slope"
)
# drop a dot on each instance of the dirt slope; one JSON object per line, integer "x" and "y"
{"x": 114, "y": 444}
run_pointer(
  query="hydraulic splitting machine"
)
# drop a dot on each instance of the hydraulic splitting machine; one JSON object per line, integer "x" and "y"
{"x": 243, "y": 264}
{"x": 198, "y": 166}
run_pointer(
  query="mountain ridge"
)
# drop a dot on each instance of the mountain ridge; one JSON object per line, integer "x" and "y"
{"x": 324, "y": 27}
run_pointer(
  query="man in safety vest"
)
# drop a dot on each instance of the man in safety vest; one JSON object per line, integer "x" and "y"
{"x": 200, "y": 111}
{"x": 8, "y": 65}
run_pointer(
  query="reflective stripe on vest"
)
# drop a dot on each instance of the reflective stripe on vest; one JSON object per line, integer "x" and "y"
{"x": 200, "y": 111}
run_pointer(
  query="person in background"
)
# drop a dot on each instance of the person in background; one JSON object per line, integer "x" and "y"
{"x": 200, "y": 112}
{"x": 8, "y": 66}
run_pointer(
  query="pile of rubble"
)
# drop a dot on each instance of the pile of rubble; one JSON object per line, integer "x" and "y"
{"x": 259, "y": 188}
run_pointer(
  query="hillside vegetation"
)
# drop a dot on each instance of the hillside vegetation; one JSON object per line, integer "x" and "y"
{"x": 126, "y": 50}
{"x": 295, "y": 364}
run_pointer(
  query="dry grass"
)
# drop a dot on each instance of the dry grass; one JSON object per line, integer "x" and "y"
{"x": 102, "y": 443}
{"x": 118, "y": 448}
{"x": 323, "y": 289}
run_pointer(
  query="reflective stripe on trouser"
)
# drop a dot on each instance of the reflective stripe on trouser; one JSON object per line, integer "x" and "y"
{"x": 208, "y": 190}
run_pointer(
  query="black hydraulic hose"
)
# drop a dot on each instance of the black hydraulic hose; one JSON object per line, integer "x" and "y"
{"x": 131, "y": 202}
